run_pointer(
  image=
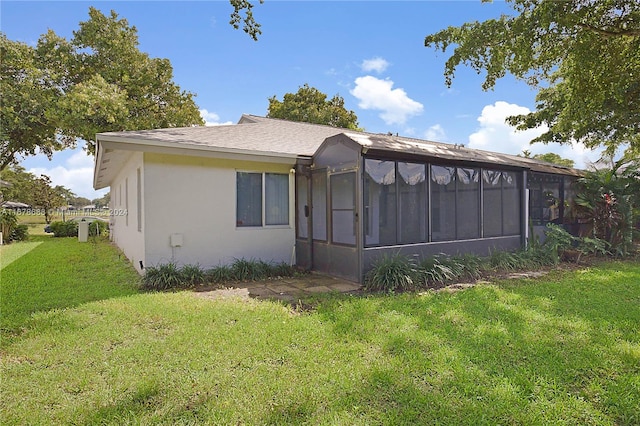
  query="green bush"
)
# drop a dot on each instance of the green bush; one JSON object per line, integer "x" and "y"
{"x": 392, "y": 273}
{"x": 248, "y": 270}
{"x": 593, "y": 246}
{"x": 192, "y": 275}
{"x": 557, "y": 239}
{"x": 169, "y": 276}
{"x": 281, "y": 269}
{"x": 98, "y": 227}
{"x": 64, "y": 229}
{"x": 438, "y": 270}
{"x": 70, "y": 228}
{"x": 8, "y": 222}
{"x": 219, "y": 274}
{"x": 163, "y": 277}
{"x": 504, "y": 260}
{"x": 19, "y": 233}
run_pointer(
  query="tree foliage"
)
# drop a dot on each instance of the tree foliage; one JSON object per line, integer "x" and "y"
{"x": 609, "y": 200}
{"x": 554, "y": 158}
{"x": 582, "y": 56}
{"x": 44, "y": 196}
{"x": 25, "y": 187}
{"x": 309, "y": 105}
{"x": 27, "y": 95}
{"x": 63, "y": 90}
{"x": 243, "y": 13}
{"x": 19, "y": 184}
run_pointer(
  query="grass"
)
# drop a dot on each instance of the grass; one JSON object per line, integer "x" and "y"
{"x": 563, "y": 349}
{"x": 53, "y": 273}
{"x": 11, "y": 252}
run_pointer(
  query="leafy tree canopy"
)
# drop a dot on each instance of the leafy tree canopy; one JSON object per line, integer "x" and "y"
{"x": 582, "y": 56}
{"x": 25, "y": 187}
{"x": 27, "y": 95}
{"x": 554, "y": 158}
{"x": 309, "y": 105}
{"x": 549, "y": 157}
{"x": 19, "y": 183}
{"x": 102, "y": 201}
{"x": 64, "y": 90}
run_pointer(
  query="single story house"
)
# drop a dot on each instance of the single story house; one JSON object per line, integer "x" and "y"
{"x": 328, "y": 199}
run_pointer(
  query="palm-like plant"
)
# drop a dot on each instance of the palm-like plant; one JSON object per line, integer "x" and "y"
{"x": 608, "y": 200}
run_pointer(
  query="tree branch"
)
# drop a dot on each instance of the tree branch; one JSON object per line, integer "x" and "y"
{"x": 632, "y": 32}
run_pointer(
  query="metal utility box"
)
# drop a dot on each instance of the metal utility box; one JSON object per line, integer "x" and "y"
{"x": 83, "y": 231}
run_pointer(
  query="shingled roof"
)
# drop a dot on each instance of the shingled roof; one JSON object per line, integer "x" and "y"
{"x": 274, "y": 138}
{"x": 252, "y": 134}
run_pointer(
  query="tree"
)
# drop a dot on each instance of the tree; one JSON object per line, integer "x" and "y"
{"x": 27, "y": 95}
{"x": 109, "y": 84}
{"x": 64, "y": 90}
{"x": 554, "y": 158}
{"x": 79, "y": 202}
{"x": 103, "y": 201}
{"x": 19, "y": 184}
{"x": 45, "y": 197}
{"x": 309, "y": 105}
{"x": 581, "y": 56}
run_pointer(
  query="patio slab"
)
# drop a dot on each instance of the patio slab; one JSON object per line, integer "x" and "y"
{"x": 292, "y": 289}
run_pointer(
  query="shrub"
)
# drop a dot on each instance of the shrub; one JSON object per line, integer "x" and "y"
{"x": 170, "y": 276}
{"x": 471, "y": 264}
{"x": 192, "y": 275}
{"x": 438, "y": 270}
{"x": 98, "y": 227}
{"x": 282, "y": 269}
{"x": 64, "y": 229}
{"x": 248, "y": 270}
{"x": 593, "y": 246}
{"x": 219, "y": 274}
{"x": 503, "y": 260}
{"x": 391, "y": 273}
{"x": 8, "y": 222}
{"x": 557, "y": 239}
{"x": 162, "y": 277}
{"x": 19, "y": 233}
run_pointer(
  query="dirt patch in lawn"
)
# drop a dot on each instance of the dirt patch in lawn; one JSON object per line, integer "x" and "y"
{"x": 224, "y": 293}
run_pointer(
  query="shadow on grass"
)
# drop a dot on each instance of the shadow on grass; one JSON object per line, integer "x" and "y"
{"x": 61, "y": 273}
{"x": 526, "y": 353}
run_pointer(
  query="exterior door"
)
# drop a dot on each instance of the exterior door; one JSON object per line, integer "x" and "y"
{"x": 343, "y": 254}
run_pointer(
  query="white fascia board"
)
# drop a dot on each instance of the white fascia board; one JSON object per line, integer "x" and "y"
{"x": 96, "y": 164}
{"x": 145, "y": 145}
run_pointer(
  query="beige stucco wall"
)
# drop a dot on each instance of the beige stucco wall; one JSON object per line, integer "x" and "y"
{"x": 196, "y": 198}
{"x": 124, "y": 210}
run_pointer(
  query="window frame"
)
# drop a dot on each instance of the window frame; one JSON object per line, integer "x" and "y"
{"x": 263, "y": 204}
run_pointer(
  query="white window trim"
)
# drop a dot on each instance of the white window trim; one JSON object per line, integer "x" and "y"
{"x": 263, "y": 213}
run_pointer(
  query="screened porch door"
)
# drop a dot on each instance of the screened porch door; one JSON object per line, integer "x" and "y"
{"x": 343, "y": 254}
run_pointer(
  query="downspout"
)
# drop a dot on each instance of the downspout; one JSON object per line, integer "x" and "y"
{"x": 525, "y": 209}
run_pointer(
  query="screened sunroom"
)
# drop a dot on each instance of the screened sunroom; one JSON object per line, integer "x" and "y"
{"x": 363, "y": 196}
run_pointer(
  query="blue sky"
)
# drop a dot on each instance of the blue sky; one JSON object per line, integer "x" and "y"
{"x": 369, "y": 52}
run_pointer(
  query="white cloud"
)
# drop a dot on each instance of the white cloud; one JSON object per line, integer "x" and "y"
{"x": 212, "y": 119}
{"x": 76, "y": 173}
{"x": 374, "y": 93}
{"x": 374, "y": 64}
{"x": 435, "y": 133}
{"x": 496, "y": 135}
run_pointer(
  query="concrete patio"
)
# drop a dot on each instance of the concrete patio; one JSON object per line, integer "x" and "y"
{"x": 291, "y": 289}
{"x": 286, "y": 289}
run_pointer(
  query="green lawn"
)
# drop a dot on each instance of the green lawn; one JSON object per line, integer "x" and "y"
{"x": 47, "y": 273}
{"x": 564, "y": 349}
